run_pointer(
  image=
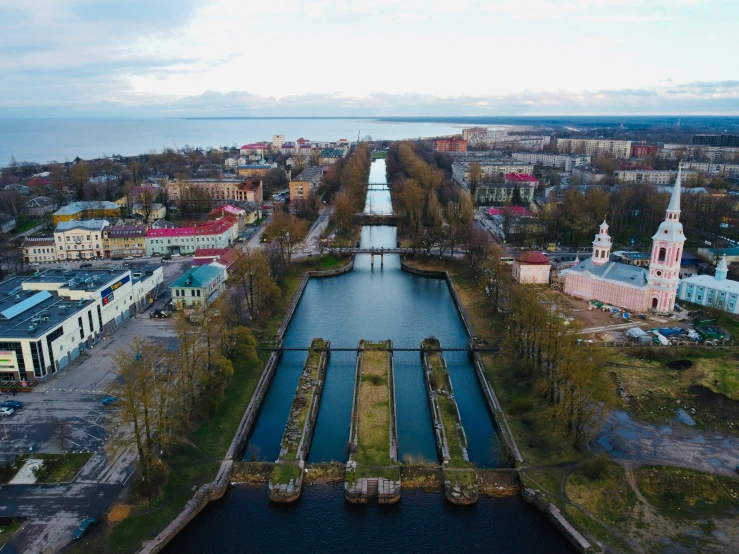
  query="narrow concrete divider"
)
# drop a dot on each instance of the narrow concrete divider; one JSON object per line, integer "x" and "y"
{"x": 572, "y": 534}
{"x": 372, "y": 472}
{"x": 460, "y": 479}
{"x": 286, "y": 480}
{"x": 217, "y": 488}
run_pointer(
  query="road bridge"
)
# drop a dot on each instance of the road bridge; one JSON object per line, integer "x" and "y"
{"x": 372, "y": 251}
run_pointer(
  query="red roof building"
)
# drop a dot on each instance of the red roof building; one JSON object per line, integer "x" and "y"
{"x": 532, "y": 268}
{"x": 521, "y": 179}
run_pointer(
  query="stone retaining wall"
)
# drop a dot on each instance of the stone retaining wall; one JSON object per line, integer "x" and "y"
{"x": 290, "y": 492}
{"x": 558, "y": 519}
{"x": 216, "y": 489}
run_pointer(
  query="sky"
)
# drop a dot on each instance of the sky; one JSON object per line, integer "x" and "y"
{"x": 370, "y": 57}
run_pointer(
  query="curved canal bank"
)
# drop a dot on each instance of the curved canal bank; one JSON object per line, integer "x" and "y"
{"x": 374, "y": 304}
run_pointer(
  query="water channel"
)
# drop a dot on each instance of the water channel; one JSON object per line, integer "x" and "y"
{"x": 372, "y": 303}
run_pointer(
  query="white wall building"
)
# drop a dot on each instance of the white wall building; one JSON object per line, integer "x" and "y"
{"x": 79, "y": 239}
{"x": 716, "y": 291}
{"x": 503, "y": 166}
{"x": 562, "y": 161}
{"x": 617, "y": 148}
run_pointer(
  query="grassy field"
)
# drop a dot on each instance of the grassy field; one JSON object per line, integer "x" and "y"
{"x": 685, "y": 494}
{"x": 373, "y": 431}
{"x": 711, "y": 385}
{"x": 282, "y": 473}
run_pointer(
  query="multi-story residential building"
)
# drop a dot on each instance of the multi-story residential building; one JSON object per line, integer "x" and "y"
{"x": 490, "y": 168}
{"x": 86, "y": 210}
{"x": 562, "y": 161}
{"x": 588, "y": 175}
{"x": 289, "y": 148}
{"x": 186, "y": 240}
{"x": 123, "y": 240}
{"x": 713, "y": 154}
{"x": 330, "y": 156}
{"x": 617, "y": 148}
{"x": 79, "y": 239}
{"x": 40, "y": 206}
{"x": 149, "y": 212}
{"x": 230, "y": 163}
{"x": 475, "y": 136}
{"x": 50, "y": 318}
{"x": 306, "y": 184}
{"x": 716, "y": 140}
{"x": 535, "y": 142}
{"x": 652, "y": 176}
{"x": 39, "y": 250}
{"x": 452, "y": 144}
{"x": 199, "y": 286}
{"x": 642, "y": 150}
{"x": 250, "y": 190}
{"x": 258, "y": 148}
{"x": 499, "y": 194}
{"x": 727, "y": 170}
{"x": 254, "y": 170}
{"x": 278, "y": 141}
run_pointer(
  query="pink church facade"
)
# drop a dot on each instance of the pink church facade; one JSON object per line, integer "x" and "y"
{"x": 632, "y": 287}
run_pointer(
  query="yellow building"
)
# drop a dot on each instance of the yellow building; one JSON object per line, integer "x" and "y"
{"x": 86, "y": 210}
{"x": 120, "y": 241}
{"x": 256, "y": 170}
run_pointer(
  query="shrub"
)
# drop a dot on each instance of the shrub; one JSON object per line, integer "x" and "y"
{"x": 596, "y": 467}
{"x": 521, "y": 406}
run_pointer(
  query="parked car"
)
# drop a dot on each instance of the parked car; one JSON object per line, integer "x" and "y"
{"x": 109, "y": 400}
{"x": 85, "y": 265}
{"x": 159, "y": 313}
{"x": 128, "y": 258}
{"x": 84, "y": 526}
{"x": 15, "y": 404}
{"x": 5, "y": 412}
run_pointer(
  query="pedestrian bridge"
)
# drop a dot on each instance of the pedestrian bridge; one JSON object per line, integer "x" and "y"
{"x": 372, "y": 251}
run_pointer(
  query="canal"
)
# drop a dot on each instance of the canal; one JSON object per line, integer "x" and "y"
{"x": 374, "y": 304}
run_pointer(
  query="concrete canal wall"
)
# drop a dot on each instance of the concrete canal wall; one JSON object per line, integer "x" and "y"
{"x": 309, "y": 391}
{"x": 456, "y": 490}
{"x": 487, "y": 389}
{"x": 553, "y": 513}
{"x": 369, "y": 483}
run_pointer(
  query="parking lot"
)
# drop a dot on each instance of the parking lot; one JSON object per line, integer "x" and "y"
{"x": 74, "y": 395}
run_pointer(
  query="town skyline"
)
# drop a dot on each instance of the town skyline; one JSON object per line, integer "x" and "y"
{"x": 606, "y": 57}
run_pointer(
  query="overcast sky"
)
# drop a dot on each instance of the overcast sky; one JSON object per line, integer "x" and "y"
{"x": 368, "y": 57}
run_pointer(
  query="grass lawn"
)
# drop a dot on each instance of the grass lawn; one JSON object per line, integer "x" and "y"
{"x": 60, "y": 468}
{"x": 27, "y": 226}
{"x": 683, "y": 493}
{"x": 373, "y": 430}
{"x": 282, "y": 473}
{"x": 7, "y": 531}
{"x": 607, "y": 494}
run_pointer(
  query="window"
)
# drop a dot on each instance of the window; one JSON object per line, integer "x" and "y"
{"x": 662, "y": 254}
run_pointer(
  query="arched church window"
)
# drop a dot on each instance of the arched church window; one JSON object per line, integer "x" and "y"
{"x": 662, "y": 254}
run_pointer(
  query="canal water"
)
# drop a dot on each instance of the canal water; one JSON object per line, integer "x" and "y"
{"x": 373, "y": 303}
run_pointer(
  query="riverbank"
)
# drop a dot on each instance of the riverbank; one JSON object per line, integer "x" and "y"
{"x": 620, "y": 505}
{"x": 197, "y": 462}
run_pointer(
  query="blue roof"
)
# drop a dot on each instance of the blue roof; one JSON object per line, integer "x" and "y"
{"x": 26, "y": 304}
{"x": 613, "y": 271}
{"x": 198, "y": 277}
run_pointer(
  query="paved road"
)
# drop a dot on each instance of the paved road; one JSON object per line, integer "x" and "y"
{"x": 628, "y": 439}
{"x": 255, "y": 240}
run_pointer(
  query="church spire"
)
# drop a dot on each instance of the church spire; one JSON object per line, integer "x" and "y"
{"x": 673, "y": 208}
{"x": 722, "y": 269}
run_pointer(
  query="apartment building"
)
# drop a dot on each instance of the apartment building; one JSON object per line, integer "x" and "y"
{"x": 186, "y": 240}
{"x": 306, "y": 184}
{"x": 249, "y": 190}
{"x": 39, "y": 250}
{"x": 452, "y": 144}
{"x": 561, "y": 161}
{"x": 688, "y": 152}
{"x": 79, "y": 240}
{"x": 278, "y": 141}
{"x": 716, "y": 140}
{"x": 642, "y": 150}
{"x": 199, "y": 286}
{"x": 503, "y": 166}
{"x": 499, "y": 194}
{"x": 123, "y": 240}
{"x": 588, "y": 175}
{"x": 86, "y": 210}
{"x": 727, "y": 170}
{"x": 620, "y": 149}
{"x": 254, "y": 170}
